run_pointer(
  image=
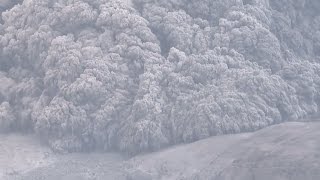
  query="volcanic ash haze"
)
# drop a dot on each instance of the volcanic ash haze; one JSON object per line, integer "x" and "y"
{"x": 140, "y": 76}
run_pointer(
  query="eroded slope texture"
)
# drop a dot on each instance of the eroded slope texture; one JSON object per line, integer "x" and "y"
{"x": 142, "y": 75}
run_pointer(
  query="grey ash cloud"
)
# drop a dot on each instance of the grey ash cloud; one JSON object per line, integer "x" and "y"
{"x": 140, "y": 76}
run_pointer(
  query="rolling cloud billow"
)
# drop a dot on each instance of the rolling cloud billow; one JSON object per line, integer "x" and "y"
{"x": 143, "y": 75}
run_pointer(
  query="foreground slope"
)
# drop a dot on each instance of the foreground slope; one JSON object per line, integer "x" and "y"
{"x": 283, "y": 152}
{"x": 288, "y": 151}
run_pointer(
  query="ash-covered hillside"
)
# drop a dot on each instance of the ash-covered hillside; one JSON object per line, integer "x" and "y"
{"x": 141, "y": 75}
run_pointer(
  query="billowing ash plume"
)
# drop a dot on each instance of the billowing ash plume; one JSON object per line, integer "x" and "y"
{"x": 113, "y": 75}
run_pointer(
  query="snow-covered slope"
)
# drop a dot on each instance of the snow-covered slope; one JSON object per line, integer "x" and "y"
{"x": 289, "y": 151}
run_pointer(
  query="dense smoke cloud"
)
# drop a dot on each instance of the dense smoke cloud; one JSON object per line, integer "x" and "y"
{"x": 140, "y": 76}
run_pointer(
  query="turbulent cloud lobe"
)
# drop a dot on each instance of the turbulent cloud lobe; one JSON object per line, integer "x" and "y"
{"x": 141, "y": 75}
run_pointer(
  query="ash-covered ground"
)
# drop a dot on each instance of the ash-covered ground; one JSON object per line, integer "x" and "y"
{"x": 288, "y": 151}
